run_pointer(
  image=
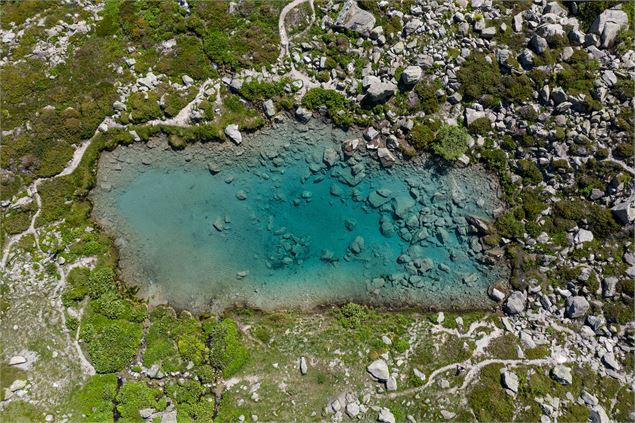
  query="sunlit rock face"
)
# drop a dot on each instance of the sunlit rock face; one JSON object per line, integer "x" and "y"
{"x": 287, "y": 219}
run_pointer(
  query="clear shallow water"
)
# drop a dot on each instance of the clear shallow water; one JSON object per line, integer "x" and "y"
{"x": 275, "y": 225}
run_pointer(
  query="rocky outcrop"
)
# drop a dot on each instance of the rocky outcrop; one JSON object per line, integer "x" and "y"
{"x": 353, "y": 18}
{"x": 608, "y": 24}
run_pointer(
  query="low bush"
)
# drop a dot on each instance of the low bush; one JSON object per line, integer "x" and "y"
{"x": 94, "y": 401}
{"x": 227, "y": 354}
{"x": 480, "y": 126}
{"x": 135, "y": 396}
{"x": 450, "y": 142}
{"x": 426, "y": 91}
{"x": 110, "y": 344}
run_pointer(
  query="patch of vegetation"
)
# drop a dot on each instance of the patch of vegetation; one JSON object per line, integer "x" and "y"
{"x": 94, "y": 401}
{"x": 336, "y": 104}
{"x": 226, "y": 351}
{"x": 450, "y": 142}
{"x": 487, "y": 399}
{"x": 135, "y": 396}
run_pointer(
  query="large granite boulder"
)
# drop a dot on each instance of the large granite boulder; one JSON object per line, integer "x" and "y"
{"x": 378, "y": 91}
{"x": 577, "y": 306}
{"x": 515, "y": 303}
{"x": 353, "y": 18}
{"x": 608, "y": 24}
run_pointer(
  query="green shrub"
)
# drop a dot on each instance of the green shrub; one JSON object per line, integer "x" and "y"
{"x": 101, "y": 281}
{"x": 144, "y": 106}
{"x": 255, "y": 90}
{"x": 114, "y": 307}
{"x": 529, "y": 171}
{"x": 135, "y": 396}
{"x": 337, "y": 106}
{"x": 110, "y": 344}
{"x": 480, "y": 126}
{"x": 599, "y": 219}
{"x": 226, "y": 352}
{"x": 487, "y": 399}
{"x": 216, "y": 46}
{"x": 450, "y": 142}
{"x": 352, "y": 316}
{"x": 421, "y": 136}
{"x": 187, "y": 58}
{"x": 76, "y": 287}
{"x": 509, "y": 227}
{"x": 94, "y": 401}
{"x": 478, "y": 77}
{"x": 428, "y": 102}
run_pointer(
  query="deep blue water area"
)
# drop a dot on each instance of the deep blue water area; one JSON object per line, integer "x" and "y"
{"x": 286, "y": 219}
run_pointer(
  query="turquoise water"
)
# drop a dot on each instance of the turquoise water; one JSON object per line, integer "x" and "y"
{"x": 274, "y": 225}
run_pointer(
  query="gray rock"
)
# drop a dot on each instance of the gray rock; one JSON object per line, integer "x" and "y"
{"x": 517, "y": 22}
{"x": 609, "y": 360}
{"x": 17, "y": 360}
{"x": 302, "y": 114}
{"x": 379, "y": 91}
{"x": 558, "y": 96}
{"x": 386, "y": 416}
{"x": 576, "y": 306}
{"x": 496, "y": 295}
{"x": 352, "y": 409}
{"x": 608, "y": 24}
{"x": 555, "y": 8}
{"x": 608, "y": 286}
{"x": 472, "y": 114}
{"x": 330, "y": 156}
{"x": 385, "y": 157}
{"x": 510, "y": 381}
{"x": 515, "y": 303}
{"x": 353, "y": 18}
{"x": 187, "y": 80}
{"x": 411, "y": 75}
{"x": 233, "y": 133}
{"x": 583, "y": 236}
{"x": 576, "y": 37}
{"x": 169, "y": 417}
{"x": 269, "y": 108}
{"x": 391, "y": 384}
{"x": 357, "y": 245}
{"x": 624, "y": 212}
{"x": 562, "y": 374}
{"x": 488, "y": 33}
{"x": 379, "y": 370}
{"x": 598, "y": 415}
{"x": 538, "y": 44}
{"x": 303, "y": 366}
{"x": 146, "y": 412}
{"x": 526, "y": 58}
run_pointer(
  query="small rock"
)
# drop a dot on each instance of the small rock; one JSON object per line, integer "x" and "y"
{"x": 17, "y": 359}
{"x": 385, "y": 416}
{"x": 576, "y": 306}
{"x": 562, "y": 374}
{"x": 510, "y": 381}
{"x": 515, "y": 303}
{"x": 379, "y": 370}
{"x": 233, "y": 133}
{"x": 303, "y": 366}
